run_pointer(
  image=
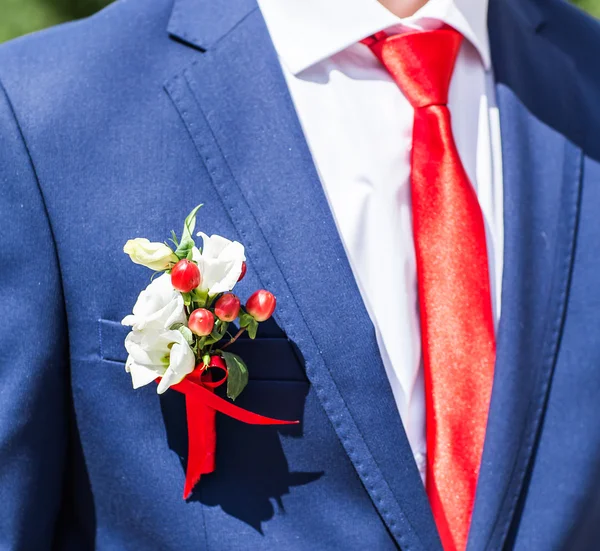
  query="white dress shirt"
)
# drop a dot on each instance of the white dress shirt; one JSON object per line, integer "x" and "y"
{"x": 358, "y": 126}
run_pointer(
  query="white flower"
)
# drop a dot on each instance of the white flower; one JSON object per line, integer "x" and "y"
{"x": 156, "y": 256}
{"x": 220, "y": 263}
{"x": 158, "y": 307}
{"x": 155, "y": 354}
{"x": 154, "y": 349}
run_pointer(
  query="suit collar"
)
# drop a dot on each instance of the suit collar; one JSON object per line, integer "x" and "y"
{"x": 528, "y": 12}
{"x": 202, "y": 23}
{"x": 309, "y": 31}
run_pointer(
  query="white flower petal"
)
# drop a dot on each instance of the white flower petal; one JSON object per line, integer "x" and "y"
{"x": 141, "y": 375}
{"x": 182, "y": 363}
{"x": 227, "y": 283}
{"x": 163, "y": 354}
{"x": 196, "y": 253}
{"x": 212, "y": 274}
{"x": 156, "y": 256}
{"x": 147, "y": 350}
{"x": 158, "y": 307}
{"x": 220, "y": 263}
{"x": 128, "y": 320}
{"x": 213, "y": 245}
{"x": 233, "y": 251}
{"x": 174, "y": 312}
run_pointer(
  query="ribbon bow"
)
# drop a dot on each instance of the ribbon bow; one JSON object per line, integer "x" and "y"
{"x": 201, "y": 405}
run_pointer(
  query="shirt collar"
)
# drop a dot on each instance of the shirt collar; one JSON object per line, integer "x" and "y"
{"x": 305, "y": 32}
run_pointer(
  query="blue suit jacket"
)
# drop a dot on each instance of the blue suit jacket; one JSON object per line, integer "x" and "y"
{"x": 112, "y": 128}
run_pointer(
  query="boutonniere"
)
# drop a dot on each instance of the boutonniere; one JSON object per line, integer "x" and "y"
{"x": 180, "y": 333}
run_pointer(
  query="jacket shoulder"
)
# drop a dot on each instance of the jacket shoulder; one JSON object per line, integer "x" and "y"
{"x": 576, "y": 34}
{"x": 43, "y": 67}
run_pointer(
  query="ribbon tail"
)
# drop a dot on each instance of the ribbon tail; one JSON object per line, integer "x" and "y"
{"x": 202, "y": 404}
{"x": 202, "y": 441}
{"x": 210, "y": 399}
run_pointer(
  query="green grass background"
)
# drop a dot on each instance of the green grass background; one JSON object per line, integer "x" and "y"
{"x": 19, "y": 17}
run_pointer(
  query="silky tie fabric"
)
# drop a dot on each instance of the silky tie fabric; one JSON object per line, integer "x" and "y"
{"x": 457, "y": 329}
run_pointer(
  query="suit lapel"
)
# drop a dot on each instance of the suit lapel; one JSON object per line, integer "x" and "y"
{"x": 541, "y": 173}
{"x": 236, "y": 106}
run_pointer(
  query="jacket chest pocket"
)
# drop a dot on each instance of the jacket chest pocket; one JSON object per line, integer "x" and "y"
{"x": 271, "y": 358}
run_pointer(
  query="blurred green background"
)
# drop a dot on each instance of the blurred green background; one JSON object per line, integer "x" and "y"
{"x": 18, "y": 17}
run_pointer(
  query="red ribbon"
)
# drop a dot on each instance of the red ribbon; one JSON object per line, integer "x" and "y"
{"x": 201, "y": 404}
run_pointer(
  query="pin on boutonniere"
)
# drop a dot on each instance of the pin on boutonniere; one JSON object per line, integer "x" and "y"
{"x": 180, "y": 333}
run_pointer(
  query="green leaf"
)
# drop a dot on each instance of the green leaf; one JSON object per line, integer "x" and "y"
{"x": 237, "y": 374}
{"x": 245, "y": 320}
{"x": 249, "y": 323}
{"x": 200, "y": 297}
{"x": 218, "y": 332}
{"x": 185, "y": 331}
{"x": 187, "y": 241}
{"x": 187, "y": 298}
{"x": 176, "y": 326}
{"x": 252, "y": 329}
{"x": 201, "y": 344}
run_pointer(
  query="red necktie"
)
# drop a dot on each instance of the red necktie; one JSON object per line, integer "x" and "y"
{"x": 457, "y": 329}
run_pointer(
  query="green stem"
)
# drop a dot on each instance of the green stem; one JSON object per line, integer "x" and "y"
{"x": 237, "y": 335}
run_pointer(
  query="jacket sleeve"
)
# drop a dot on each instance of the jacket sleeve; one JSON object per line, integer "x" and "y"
{"x": 33, "y": 352}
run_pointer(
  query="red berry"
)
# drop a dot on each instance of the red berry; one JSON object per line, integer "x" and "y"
{"x": 261, "y": 305}
{"x": 243, "y": 272}
{"x": 185, "y": 276}
{"x": 227, "y": 307}
{"x": 201, "y": 322}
